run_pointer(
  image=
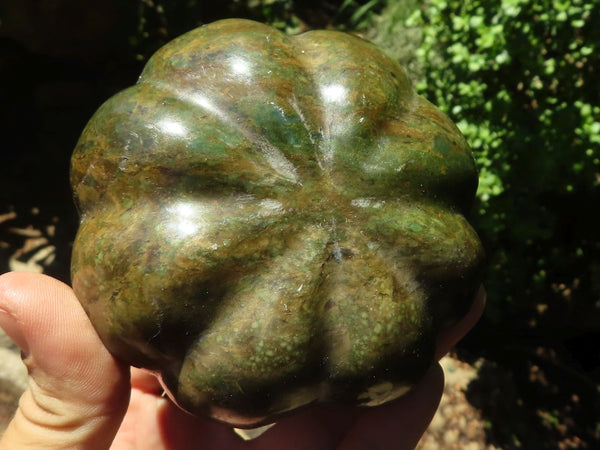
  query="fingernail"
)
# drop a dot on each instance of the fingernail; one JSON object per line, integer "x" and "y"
{"x": 9, "y": 324}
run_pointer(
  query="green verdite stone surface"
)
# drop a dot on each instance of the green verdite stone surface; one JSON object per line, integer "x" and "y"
{"x": 273, "y": 221}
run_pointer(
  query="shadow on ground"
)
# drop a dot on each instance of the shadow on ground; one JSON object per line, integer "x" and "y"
{"x": 530, "y": 398}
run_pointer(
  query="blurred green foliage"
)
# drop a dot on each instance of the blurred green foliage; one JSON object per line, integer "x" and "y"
{"x": 161, "y": 20}
{"x": 390, "y": 30}
{"x": 520, "y": 78}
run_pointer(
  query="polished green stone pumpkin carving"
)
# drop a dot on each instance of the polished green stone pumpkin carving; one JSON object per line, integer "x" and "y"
{"x": 273, "y": 221}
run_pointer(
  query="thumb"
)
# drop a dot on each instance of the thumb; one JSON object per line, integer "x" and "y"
{"x": 77, "y": 392}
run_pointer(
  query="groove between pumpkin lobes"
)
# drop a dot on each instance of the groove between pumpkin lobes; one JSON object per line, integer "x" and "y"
{"x": 272, "y": 221}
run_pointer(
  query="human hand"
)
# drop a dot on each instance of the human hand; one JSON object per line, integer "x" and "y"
{"x": 79, "y": 396}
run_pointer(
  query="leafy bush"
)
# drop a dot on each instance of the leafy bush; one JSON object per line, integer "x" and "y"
{"x": 389, "y": 30}
{"x": 161, "y": 20}
{"x": 520, "y": 78}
